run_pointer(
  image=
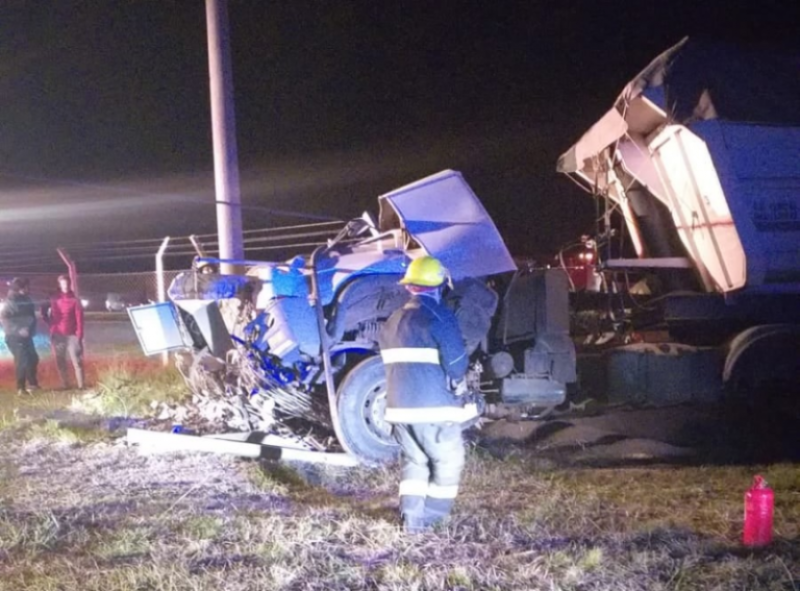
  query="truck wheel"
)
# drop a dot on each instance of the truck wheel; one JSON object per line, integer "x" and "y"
{"x": 361, "y": 400}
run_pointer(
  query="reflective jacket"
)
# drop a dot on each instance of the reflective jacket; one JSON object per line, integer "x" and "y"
{"x": 66, "y": 315}
{"x": 422, "y": 350}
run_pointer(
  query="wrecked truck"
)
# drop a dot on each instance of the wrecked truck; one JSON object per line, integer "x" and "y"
{"x": 291, "y": 347}
{"x": 695, "y": 172}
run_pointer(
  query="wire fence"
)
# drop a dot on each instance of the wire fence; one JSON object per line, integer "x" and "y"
{"x": 276, "y": 243}
{"x": 115, "y": 291}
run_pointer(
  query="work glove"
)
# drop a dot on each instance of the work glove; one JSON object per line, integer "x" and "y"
{"x": 459, "y": 387}
{"x": 479, "y": 401}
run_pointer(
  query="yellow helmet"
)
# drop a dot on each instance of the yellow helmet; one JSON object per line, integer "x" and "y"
{"x": 426, "y": 272}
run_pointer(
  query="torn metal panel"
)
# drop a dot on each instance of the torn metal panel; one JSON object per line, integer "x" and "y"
{"x": 602, "y": 134}
{"x": 443, "y": 215}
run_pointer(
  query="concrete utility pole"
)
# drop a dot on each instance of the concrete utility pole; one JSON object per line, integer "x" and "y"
{"x": 223, "y": 127}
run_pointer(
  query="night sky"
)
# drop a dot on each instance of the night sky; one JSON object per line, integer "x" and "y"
{"x": 105, "y": 121}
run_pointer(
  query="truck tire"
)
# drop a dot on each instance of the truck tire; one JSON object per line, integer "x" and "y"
{"x": 760, "y": 368}
{"x": 361, "y": 401}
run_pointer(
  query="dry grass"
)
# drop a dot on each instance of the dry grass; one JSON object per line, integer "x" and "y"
{"x": 81, "y": 512}
{"x": 129, "y": 389}
{"x": 121, "y": 388}
{"x": 120, "y": 521}
{"x": 118, "y": 386}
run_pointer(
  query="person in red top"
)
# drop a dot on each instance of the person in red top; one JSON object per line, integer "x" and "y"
{"x": 66, "y": 331}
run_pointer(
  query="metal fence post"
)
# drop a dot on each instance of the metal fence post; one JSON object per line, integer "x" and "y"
{"x": 160, "y": 285}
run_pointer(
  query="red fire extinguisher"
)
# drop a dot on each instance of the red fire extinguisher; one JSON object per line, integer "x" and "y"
{"x": 759, "y": 502}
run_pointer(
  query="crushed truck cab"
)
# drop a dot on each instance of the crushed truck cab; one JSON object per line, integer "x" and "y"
{"x": 293, "y": 345}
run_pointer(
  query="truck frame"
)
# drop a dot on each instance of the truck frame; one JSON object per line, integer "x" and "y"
{"x": 696, "y": 168}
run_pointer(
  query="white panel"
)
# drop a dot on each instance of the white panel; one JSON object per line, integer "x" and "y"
{"x": 447, "y": 219}
{"x": 699, "y": 207}
{"x": 157, "y": 327}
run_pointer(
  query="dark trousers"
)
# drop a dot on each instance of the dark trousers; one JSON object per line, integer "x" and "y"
{"x": 26, "y": 360}
{"x": 432, "y": 460}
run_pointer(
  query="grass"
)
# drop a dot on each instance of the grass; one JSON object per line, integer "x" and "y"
{"x": 8, "y": 419}
{"x": 131, "y": 389}
{"x": 37, "y": 532}
{"x": 133, "y": 541}
{"x": 64, "y": 432}
{"x": 516, "y": 527}
{"x": 98, "y": 517}
{"x": 122, "y": 387}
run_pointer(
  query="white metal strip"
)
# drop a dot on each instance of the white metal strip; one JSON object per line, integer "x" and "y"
{"x": 155, "y": 442}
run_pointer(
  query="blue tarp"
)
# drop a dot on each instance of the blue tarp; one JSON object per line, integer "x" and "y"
{"x": 700, "y": 80}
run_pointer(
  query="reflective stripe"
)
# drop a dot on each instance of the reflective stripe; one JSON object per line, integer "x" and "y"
{"x": 414, "y": 488}
{"x": 457, "y": 359}
{"x": 431, "y": 414}
{"x": 442, "y": 492}
{"x": 410, "y": 355}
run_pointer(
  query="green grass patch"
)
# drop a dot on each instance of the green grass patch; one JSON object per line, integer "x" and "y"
{"x": 54, "y": 430}
{"x": 705, "y": 500}
{"x": 202, "y": 527}
{"x": 130, "y": 389}
{"x": 35, "y": 532}
{"x": 271, "y": 479}
{"x": 125, "y": 543}
{"x": 8, "y": 419}
{"x": 15, "y": 408}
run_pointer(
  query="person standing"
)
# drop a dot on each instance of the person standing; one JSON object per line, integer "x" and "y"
{"x": 19, "y": 323}
{"x": 426, "y": 362}
{"x": 66, "y": 331}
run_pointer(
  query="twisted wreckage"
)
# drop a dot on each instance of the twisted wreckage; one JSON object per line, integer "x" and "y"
{"x": 291, "y": 346}
{"x": 695, "y": 170}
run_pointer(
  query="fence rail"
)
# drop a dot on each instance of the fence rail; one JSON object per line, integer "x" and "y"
{"x": 128, "y": 288}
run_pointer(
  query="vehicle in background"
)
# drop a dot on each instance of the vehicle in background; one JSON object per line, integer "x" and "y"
{"x": 111, "y": 301}
{"x": 119, "y": 302}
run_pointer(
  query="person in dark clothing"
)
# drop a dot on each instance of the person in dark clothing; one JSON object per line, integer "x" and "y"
{"x": 66, "y": 331}
{"x": 426, "y": 361}
{"x": 19, "y": 323}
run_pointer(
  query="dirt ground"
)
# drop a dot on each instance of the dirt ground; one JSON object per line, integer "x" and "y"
{"x": 699, "y": 434}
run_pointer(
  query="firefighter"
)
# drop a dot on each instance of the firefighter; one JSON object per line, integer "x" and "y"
{"x": 426, "y": 362}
